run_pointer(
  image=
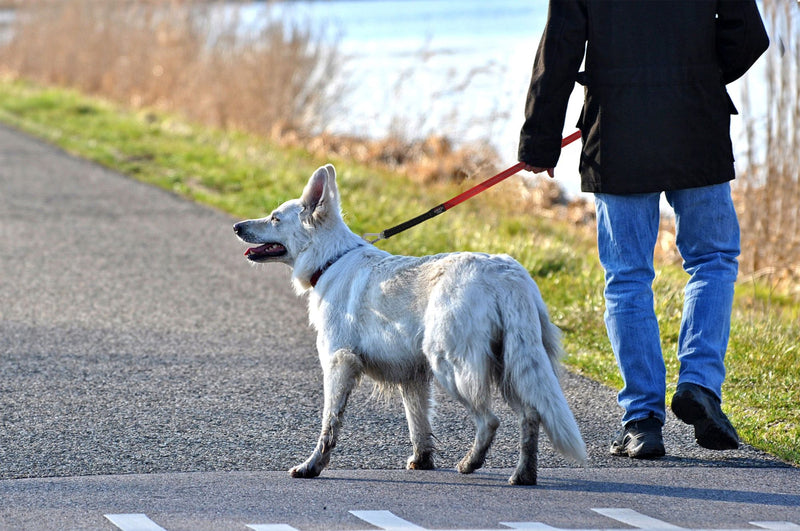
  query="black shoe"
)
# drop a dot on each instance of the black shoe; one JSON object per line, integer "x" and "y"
{"x": 700, "y": 407}
{"x": 640, "y": 439}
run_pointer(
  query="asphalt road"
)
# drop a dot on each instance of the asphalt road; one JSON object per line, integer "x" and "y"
{"x": 136, "y": 339}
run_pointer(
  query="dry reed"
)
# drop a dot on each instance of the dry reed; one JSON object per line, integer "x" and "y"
{"x": 192, "y": 57}
{"x": 768, "y": 192}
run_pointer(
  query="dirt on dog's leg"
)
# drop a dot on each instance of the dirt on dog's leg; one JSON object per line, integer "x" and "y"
{"x": 417, "y": 401}
{"x": 339, "y": 381}
{"x": 486, "y": 424}
{"x": 525, "y": 474}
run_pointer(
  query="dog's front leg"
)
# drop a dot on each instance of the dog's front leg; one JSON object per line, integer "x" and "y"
{"x": 340, "y": 378}
{"x": 417, "y": 401}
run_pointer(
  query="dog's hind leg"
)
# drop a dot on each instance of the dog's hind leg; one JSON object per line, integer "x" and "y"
{"x": 525, "y": 474}
{"x": 475, "y": 395}
{"x": 477, "y": 399}
{"x": 486, "y": 424}
{"x": 462, "y": 364}
{"x": 417, "y": 401}
{"x": 340, "y": 378}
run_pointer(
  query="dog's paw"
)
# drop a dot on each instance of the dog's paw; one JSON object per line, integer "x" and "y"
{"x": 466, "y": 468}
{"x": 304, "y": 471}
{"x": 519, "y": 478}
{"x": 468, "y": 465}
{"x": 424, "y": 462}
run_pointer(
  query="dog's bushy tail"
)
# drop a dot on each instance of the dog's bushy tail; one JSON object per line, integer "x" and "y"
{"x": 533, "y": 373}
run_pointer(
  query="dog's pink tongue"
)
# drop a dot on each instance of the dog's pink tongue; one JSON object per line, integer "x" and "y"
{"x": 256, "y": 250}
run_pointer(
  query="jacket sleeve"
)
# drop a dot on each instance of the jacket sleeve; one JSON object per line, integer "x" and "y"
{"x": 741, "y": 37}
{"x": 555, "y": 69}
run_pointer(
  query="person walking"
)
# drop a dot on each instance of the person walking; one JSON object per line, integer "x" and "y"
{"x": 655, "y": 119}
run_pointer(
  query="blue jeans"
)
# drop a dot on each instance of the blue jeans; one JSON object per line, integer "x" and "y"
{"x": 707, "y": 236}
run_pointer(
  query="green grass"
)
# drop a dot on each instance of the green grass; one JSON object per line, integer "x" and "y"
{"x": 247, "y": 176}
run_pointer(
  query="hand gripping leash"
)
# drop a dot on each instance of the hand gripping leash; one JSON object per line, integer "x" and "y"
{"x": 373, "y": 237}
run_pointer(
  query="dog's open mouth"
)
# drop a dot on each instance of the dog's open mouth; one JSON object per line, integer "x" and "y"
{"x": 265, "y": 252}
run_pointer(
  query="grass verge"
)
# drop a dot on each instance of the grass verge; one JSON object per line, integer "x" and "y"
{"x": 246, "y": 176}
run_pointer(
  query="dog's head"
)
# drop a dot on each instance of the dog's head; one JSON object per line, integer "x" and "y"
{"x": 287, "y": 231}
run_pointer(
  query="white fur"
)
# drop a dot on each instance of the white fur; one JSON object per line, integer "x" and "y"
{"x": 470, "y": 321}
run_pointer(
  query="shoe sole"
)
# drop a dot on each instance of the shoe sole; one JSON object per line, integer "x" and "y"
{"x": 646, "y": 452}
{"x": 639, "y": 452}
{"x": 707, "y": 432}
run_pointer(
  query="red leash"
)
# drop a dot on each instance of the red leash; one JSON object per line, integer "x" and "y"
{"x": 460, "y": 198}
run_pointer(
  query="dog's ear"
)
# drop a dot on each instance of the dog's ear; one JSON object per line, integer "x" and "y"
{"x": 320, "y": 195}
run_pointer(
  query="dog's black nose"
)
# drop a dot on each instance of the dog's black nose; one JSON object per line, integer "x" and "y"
{"x": 237, "y": 228}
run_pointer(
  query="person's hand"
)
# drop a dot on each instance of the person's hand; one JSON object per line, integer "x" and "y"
{"x": 536, "y": 169}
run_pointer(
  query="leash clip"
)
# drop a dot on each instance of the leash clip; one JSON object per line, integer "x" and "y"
{"x": 373, "y": 237}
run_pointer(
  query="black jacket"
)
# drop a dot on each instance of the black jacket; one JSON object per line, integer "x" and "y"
{"x": 656, "y": 114}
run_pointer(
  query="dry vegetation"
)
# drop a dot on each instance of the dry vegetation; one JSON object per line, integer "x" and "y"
{"x": 193, "y": 57}
{"x": 768, "y": 191}
{"x": 190, "y": 57}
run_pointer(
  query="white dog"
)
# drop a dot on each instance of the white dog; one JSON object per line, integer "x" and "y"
{"x": 469, "y": 320}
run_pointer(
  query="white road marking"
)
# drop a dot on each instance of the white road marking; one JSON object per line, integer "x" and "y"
{"x": 133, "y": 522}
{"x": 388, "y": 521}
{"x": 634, "y": 519}
{"x": 528, "y": 525}
{"x": 385, "y": 520}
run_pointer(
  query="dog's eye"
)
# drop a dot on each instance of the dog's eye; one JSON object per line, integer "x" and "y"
{"x": 274, "y": 219}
